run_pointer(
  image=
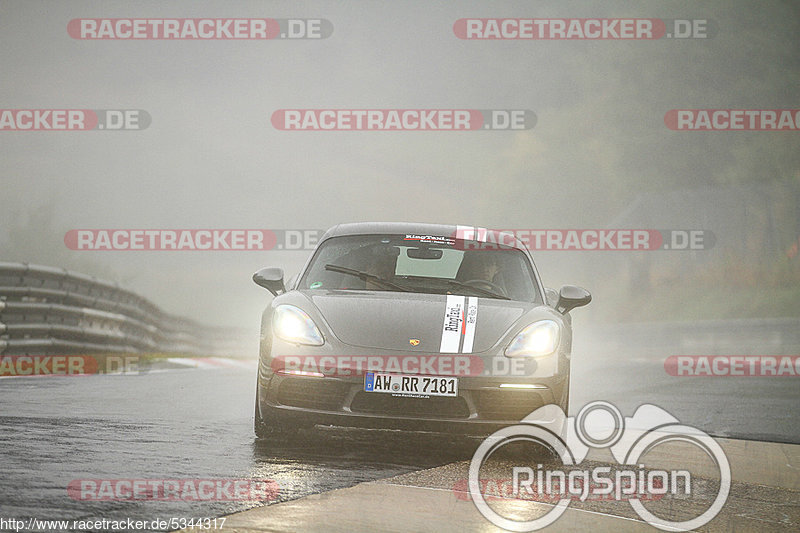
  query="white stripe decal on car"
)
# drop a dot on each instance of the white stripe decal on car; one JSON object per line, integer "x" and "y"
{"x": 470, "y": 322}
{"x": 471, "y": 233}
{"x": 453, "y": 319}
{"x": 465, "y": 232}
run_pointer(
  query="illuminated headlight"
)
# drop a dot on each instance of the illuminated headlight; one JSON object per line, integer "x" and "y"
{"x": 540, "y": 338}
{"x": 293, "y": 325}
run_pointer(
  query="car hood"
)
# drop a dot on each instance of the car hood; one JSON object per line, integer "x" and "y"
{"x": 395, "y": 321}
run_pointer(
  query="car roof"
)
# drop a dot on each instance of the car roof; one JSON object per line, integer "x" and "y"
{"x": 370, "y": 228}
{"x": 418, "y": 228}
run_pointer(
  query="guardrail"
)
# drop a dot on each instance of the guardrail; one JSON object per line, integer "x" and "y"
{"x": 52, "y": 311}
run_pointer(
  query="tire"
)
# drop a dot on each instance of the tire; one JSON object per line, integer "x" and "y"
{"x": 260, "y": 428}
{"x": 267, "y": 429}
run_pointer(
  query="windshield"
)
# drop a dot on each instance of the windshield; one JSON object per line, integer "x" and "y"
{"x": 408, "y": 263}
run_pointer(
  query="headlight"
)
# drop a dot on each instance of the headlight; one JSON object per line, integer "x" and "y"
{"x": 540, "y": 338}
{"x": 293, "y": 325}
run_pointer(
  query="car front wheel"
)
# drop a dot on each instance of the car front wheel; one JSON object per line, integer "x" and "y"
{"x": 268, "y": 429}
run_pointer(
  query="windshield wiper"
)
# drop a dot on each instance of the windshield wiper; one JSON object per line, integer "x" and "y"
{"x": 485, "y": 292}
{"x": 366, "y": 276}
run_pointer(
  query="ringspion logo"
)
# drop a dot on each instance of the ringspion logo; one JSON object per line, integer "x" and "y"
{"x": 499, "y": 489}
{"x": 73, "y": 119}
{"x": 402, "y": 119}
{"x": 599, "y": 425}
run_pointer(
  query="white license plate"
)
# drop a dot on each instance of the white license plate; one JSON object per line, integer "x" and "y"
{"x": 410, "y": 385}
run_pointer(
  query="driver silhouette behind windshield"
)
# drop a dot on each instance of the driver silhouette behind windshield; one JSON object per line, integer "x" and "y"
{"x": 478, "y": 266}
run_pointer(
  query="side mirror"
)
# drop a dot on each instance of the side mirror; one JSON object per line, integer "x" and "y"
{"x": 271, "y": 279}
{"x": 570, "y": 297}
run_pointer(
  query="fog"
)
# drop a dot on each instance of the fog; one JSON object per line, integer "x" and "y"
{"x": 599, "y": 156}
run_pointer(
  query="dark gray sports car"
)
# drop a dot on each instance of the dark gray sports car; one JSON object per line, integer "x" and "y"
{"x": 412, "y": 326}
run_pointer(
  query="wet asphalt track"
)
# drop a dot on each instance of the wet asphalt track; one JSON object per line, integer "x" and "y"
{"x": 196, "y": 423}
{"x": 176, "y": 424}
